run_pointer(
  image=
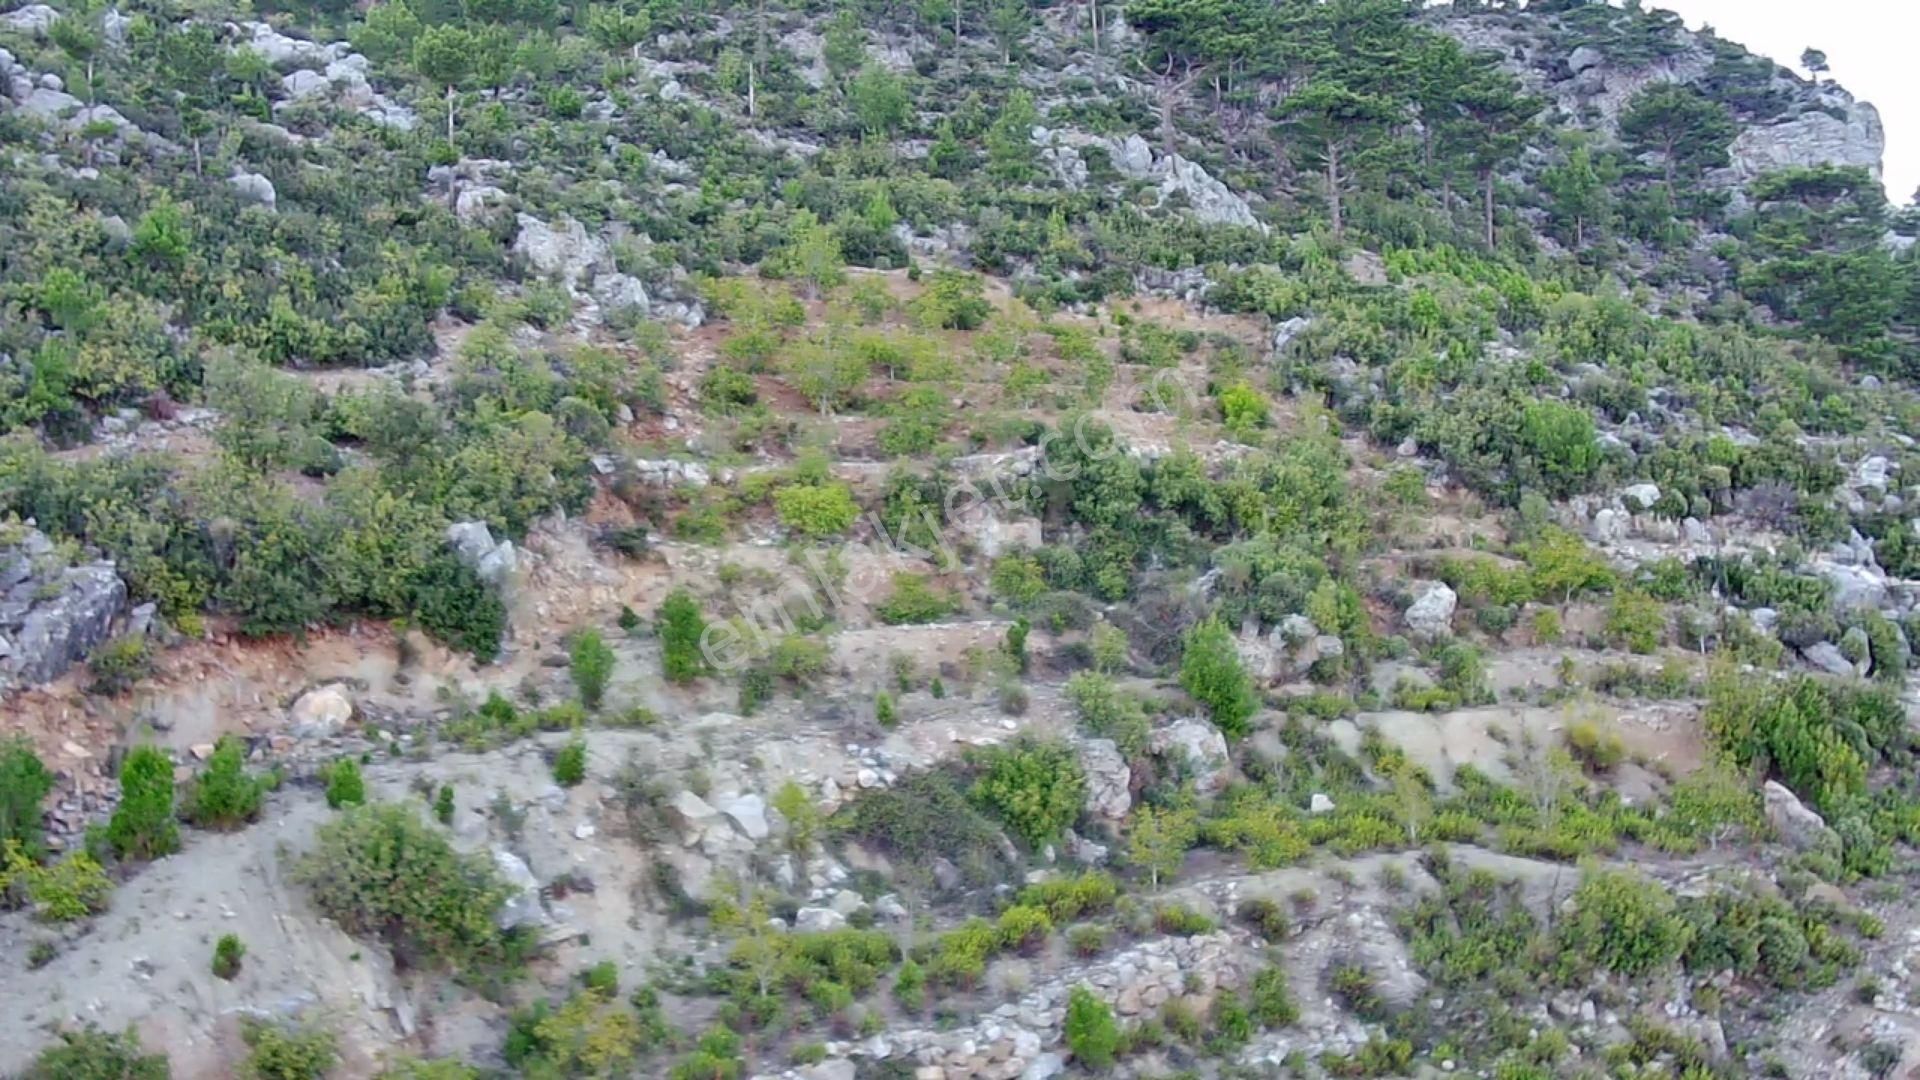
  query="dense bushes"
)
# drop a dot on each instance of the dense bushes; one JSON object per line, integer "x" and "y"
{"x": 142, "y": 826}
{"x": 92, "y": 1054}
{"x": 1036, "y": 788}
{"x": 379, "y": 871}
{"x": 224, "y": 796}
{"x": 24, "y": 785}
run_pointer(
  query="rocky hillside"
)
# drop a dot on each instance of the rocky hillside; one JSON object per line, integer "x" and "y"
{"x": 845, "y": 540}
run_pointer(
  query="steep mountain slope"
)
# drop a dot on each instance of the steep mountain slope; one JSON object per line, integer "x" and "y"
{"x": 831, "y": 540}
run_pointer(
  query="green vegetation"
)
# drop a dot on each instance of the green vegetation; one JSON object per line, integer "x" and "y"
{"x": 378, "y": 871}
{"x": 227, "y": 954}
{"x": 92, "y": 1054}
{"x": 590, "y": 662}
{"x": 142, "y": 826}
{"x": 681, "y": 632}
{"x": 225, "y": 796}
{"x": 345, "y": 785}
{"x": 1036, "y": 788}
{"x": 24, "y": 785}
{"x": 1091, "y": 1033}
{"x": 1210, "y": 670}
{"x": 276, "y": 1052}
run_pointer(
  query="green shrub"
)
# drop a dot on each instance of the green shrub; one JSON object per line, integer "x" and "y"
{"x": 345, "y": 785}
{"x": 1210, "y": 670}
{"x": 910, "y": 986}
{"x": 914, "y": 600}
{"x": 816, "y": 510}
{"x": 224, "y": 795}
{"x": 377, "y": 870}
{"x": 1621, "y": 922}
{"x": 1068, "y": 898}
{"x": 1599, "y": 748}
{"x": 590, "y": 662}
{"x": 72, "y": 888}
{"x": 1271, "y": 1001}
{"x": 1635, "y": 621}
{"x": 570, "y": 763}
{"x": 884, "y": 713}
{"x": 282, "y": 1053}
{"x": 92, "y": 1054}
{"x": 1022, "y": 927}
{"x": 118, "y": 664}
{"x": 443, "y": 805}
{"x": 142, "y": 826}
{"x": 1091, "y": 1033}
{"x": 227, "y": 953}
{"x": 681, "y": 631}
{"x": 1108, "y": 712}
{"x": 1036, "y": 788}
{"x": 24, "y": 784}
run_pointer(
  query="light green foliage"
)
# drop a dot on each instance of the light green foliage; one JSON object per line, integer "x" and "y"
{"x": 1090, "y": 1031}
{"x": 345, "y": 785}
{"x": 1636, "y": 620}
{"x": 914, "y": 600}
{"x": 793, "y": 803}
{"x": 1621, "y": 922}
{"x": 1560, "y": 438}
{"x": 1157, "y": 840}
{"x": 1109, "y": 646}
{"x": 285, "y": 1053}
{"x": 224, "y": 795}
{"x": 1108, "y": 712}
{"x": 1243, "y": 408}
{"x": 378, "y": 871}
{"x": 92, "y": 1054}
{"x": 1210, "y": 670}
{"x": 570, "y": 763}
{"x": 681, "y": 631}
{"x": 63, "y": 891}
{"x": 142, "y": 826}
{"x": 590, "y": 662}
{"x": 816, "y": 510}
{"x": 1036, "y": 788}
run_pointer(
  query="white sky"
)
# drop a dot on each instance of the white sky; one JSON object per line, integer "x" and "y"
{"x": 1870, "y": 44}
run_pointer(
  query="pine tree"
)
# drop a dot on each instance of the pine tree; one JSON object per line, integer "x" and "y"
{"x": 142, "y": 826}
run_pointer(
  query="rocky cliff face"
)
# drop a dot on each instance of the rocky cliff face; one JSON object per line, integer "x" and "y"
{"x": 51, "y": 614}
{"x": 1821, "y": 124}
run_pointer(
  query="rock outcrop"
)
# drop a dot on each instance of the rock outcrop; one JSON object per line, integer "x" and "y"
{"x": 51, "y": 614}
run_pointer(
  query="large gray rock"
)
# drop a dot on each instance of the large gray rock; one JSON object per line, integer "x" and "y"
{"x": 522, "y": 906}
{"x": 1109, "y": 780}
{"x": 1431, "y": 613}
{"x": 748, "y": 814}
{"x": 1584, "y": 58}
{"x": 1201, "y": 746}
{"x": 34, "y": 19}
{"x": 254, "y": 187}
{"x": 321, "y": 711}
{"x": 51, "y": 616}
{"x": 305, "y": 84}
{"x": 1814, "y": 137}
{"x": 564, "y": 252}
{"x": 618, "y": 292}
{"x": 474, "y": 544}
{"x": 1827, "y": 656}
{"x": 1796, "y": 824}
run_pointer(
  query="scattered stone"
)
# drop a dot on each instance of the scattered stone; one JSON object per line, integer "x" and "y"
{"x": 254, "y": 187}
{"x": 1320, "y": 804}
{"x": 1797, "y": 824}
{"x": 321, "y": 712}
{"x": 1109, "y": 791}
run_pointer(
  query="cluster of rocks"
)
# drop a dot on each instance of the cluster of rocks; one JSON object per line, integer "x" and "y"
{"x": 1287, "y": 651}
{"x": 582, "y": 263}
{"x": 1022, "y": 1040}
{"x": 1208, "y": 199}
{"x": 52, "y": 614}
{"x": 318, "y": 71}
{"x": 494, "y": 561}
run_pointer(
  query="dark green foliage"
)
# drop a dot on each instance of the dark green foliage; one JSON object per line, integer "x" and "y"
{"x": 92, "y": 1054}
{"x": 345, "y": 785}
{"x": 225, "y": 796}
{"x": 24, "y": 785}
{"x": 1211, "y": 671}
{"x": 1090, "y": 1031}
{"x": 443, "y": 805}
{"x": 570, "y": 763}
{"x": 227, "y": 954}
{"x": 681, "y": 632}
{"x": 142, "y": 826}
{"x": 377, "y": 870}
{"x": 926, "y": 816}
{"x": 590, "y": 662}
{"x": 451, "y": 602}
